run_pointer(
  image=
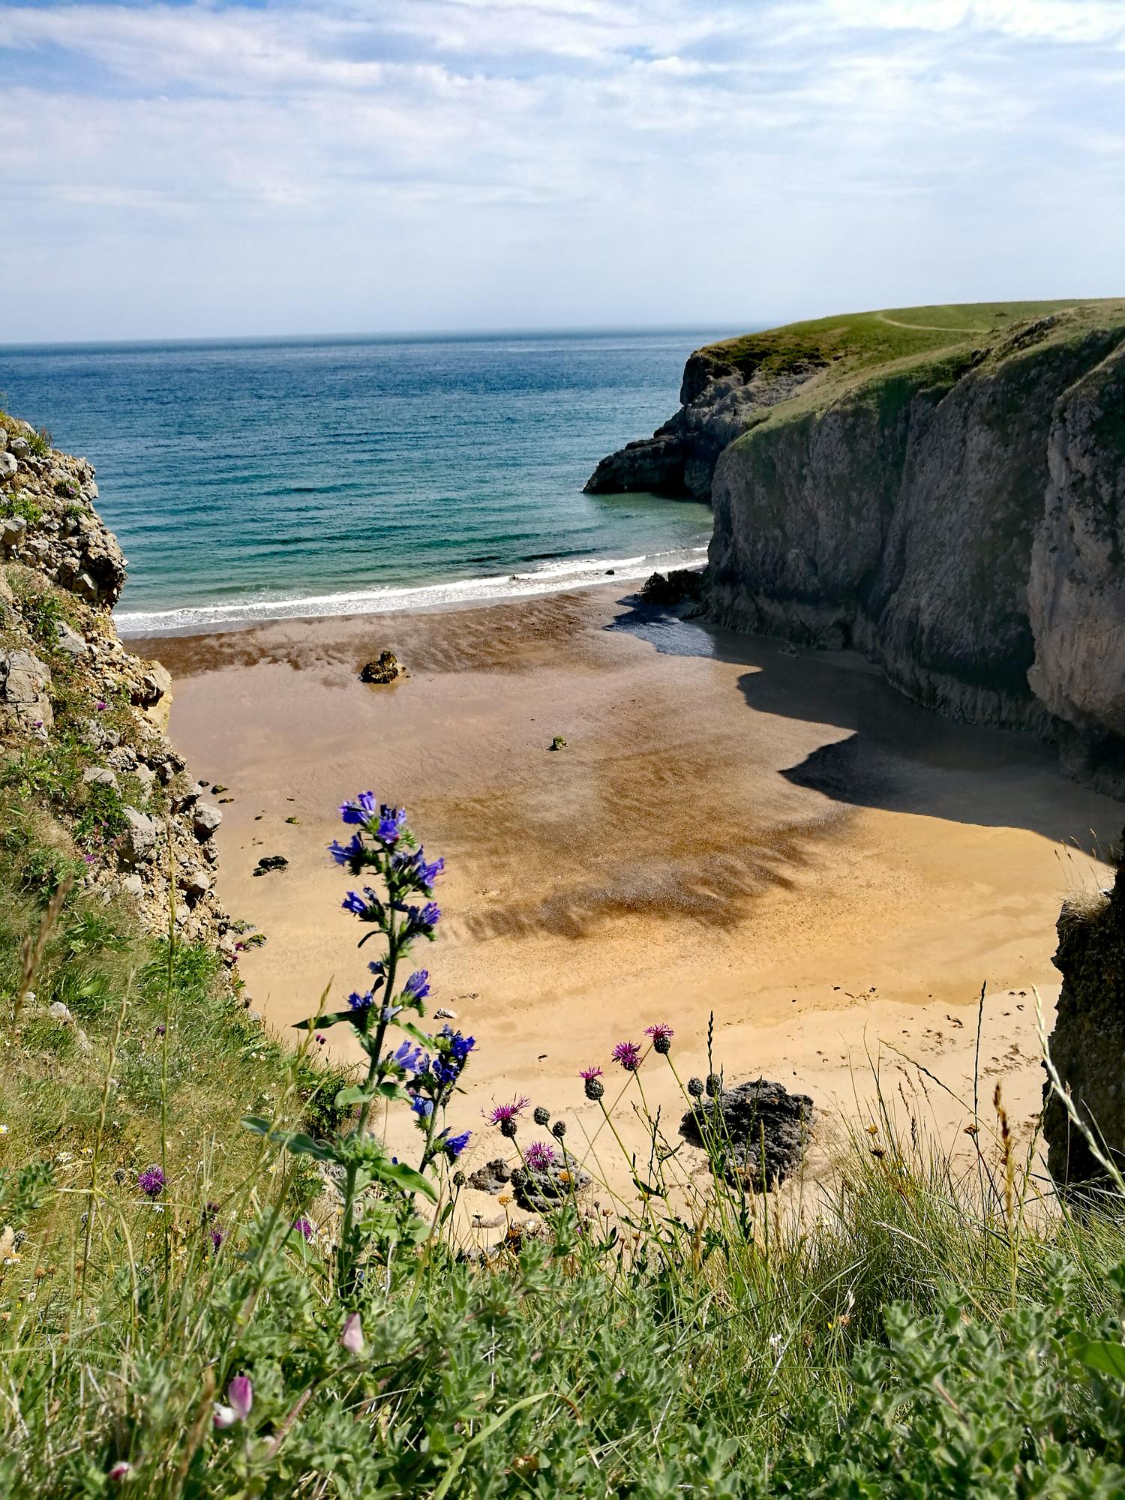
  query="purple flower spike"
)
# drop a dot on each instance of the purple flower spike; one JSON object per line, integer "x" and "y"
{"x": 539, "y": 1156}
{"x": 628, "y": 1054}
{"x": 303, "y": 1228}
{"x": 151, "y": 1182}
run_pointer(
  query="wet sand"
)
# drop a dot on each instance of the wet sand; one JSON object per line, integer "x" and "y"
{"x": 774, "y": 837}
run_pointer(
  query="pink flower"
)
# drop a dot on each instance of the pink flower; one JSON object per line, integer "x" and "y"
{"x": 628, "y": 1054}
{"x": 661, "y": 1036}
{"x": 352, "y": 1336}
{"x": 121, "y": 1470}
{"x": 504, "y": 1113}
{"x": 587, "y": 1073}
{"x": 240, "y": 1394}
{"x": 224, "y": 1416}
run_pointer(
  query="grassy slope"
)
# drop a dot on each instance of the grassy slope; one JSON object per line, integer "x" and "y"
{"x": 852, "y": 348}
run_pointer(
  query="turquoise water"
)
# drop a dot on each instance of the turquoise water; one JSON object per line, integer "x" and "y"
{"x": 261, "y": 479}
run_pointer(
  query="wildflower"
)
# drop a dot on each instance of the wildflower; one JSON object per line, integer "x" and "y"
{"x": 421, "y": 920}
{"x": 410, "y": 1059}
{"x": 151, "y": 1182}
{"x": 121, "y": 1470}
{"x": 359, "y": 811}
{"x": 343, "y": 854}
{"x": 454, "y": 1145}
{"x": 223, "y": 1416}
{"x": 392, "y": 820}
{"x": 354, "y": 902}
{"x": 540, "y": 1157}
{"x": 320, "y": 1039}
{"x": 303, "y": 1228}
{"x": 240, "y": 1394}
{"x": 541, "y": 1115}
{"x": 418, "y": 985}
{"x": 161, "y": 1030}
{"x": 661, "y": 1035}
{"x": 459, "y": 1181}
{"x": 422, "y": 1107}
{"x": 590, "y": 1077}
{"x": 100, "y": 705}
{"x": 695, "y": 1087}
{"x": 216, "y": 1234}
{"x": 352, "y": 1336}
{"x": 3, "y": 1130}
{"x": 558, "y": 1129}
{"x": 361, "y": 1002}
{"x": 628, "y": 1054}
{"x": 506, "y": 1115}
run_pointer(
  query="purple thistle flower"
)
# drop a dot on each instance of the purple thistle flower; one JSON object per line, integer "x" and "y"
{"x": 661, "y": 1036}
{"x": 364, "y": 807}
{"x": 455, "y": 1144}
{"x": 151, "y": 1182}
{"x": 303, "y": 1228}
{"x": 587, "y": 1073}
{"x": 360, "y": 1002}
{"x": 418, "y": 985}
{"x": 540, "y": 1157}
{"x": 628, "y": 1054}
{"x": 503, "y": 1114}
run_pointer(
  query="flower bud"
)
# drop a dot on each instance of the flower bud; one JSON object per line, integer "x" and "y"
{"x": 508, "y": 1128}
{"x": 714, "y": 1085}
{"x": 459, "y": 1179}
{"x": 695, "y": 1087}
{"x": 541, "y": 1115}
{"x": 594, "y": 1088}
{"x": 352, "y": 1336}
{"x": 558, "y": 1129}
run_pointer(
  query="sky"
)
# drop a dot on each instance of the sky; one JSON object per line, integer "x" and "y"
{"x": 209, "y": 169}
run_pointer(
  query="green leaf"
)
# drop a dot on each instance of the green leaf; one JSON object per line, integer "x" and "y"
{"x": 356, "y": 1094}
{"x": 399, "y": 1175}
{"x": 322, "y": 1023}
{"x": 1106, "y": 1358}
{"x": 295, "y": 1141}
{"x": 414, "y": 1033}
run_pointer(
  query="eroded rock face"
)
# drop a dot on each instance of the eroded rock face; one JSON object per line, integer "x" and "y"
{"x": 759, "y": 1130}
{"x": 25, "y": 684}
{"x": 1088, "y": 1043}
{"x": 1076, "y": 592}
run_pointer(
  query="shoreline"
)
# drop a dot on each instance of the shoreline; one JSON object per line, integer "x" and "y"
{"x": 773, "y": 836}
{"x": 455, "y": 594}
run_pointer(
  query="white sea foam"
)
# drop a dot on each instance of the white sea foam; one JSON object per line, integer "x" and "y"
{"x": 551, "y": 577}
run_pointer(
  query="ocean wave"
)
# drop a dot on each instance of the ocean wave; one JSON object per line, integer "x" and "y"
{"x": 554, "y": 577}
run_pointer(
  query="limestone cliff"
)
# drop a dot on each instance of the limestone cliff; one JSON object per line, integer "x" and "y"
{"x": 942, "y": 489}
{"x": 82, "y": 720}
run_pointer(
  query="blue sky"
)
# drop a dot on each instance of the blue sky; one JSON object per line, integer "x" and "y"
{"x": 193, "y": 169}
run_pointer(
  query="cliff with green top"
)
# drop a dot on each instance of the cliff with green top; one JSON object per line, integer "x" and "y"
{"x": 942, "y": 488}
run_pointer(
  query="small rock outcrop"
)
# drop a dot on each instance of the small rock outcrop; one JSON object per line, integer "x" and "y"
{"x": 493, "y": 1177}
{"x": 680, "y": 586}
{"x": 758, "y": 1131}
{"x": 385, "y": 669}
{"x": 545, "y": 1188}
{"x": 25, "y": 684}
{"x": 1087, "y": 1045}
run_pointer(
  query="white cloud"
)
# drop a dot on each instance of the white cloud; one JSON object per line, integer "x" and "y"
{"x": 412, "y": 163}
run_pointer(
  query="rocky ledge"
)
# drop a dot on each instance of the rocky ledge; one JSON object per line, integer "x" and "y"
{"x": 948, "y": 500}
{"x": 82, "y": 716}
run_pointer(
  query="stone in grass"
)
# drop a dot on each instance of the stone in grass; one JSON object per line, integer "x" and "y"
{"x": 385, "y": 669}
{"x": 738, "y": 1122}
{"x": 541, "y": 1189}
{"x": 491, "y": 1177}
{"x": 270, "y": 862}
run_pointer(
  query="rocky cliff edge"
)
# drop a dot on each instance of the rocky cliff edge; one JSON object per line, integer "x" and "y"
{"x": 82, "y": 720}
{"x": 941, "y": 488}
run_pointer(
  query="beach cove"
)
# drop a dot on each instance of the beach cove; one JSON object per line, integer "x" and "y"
{"x": 734, "y": 827}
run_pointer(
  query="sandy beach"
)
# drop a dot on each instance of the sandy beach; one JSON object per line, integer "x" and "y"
{"x": 772, "y": 836}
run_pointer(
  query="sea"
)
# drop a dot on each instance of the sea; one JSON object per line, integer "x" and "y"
{"x": 263, "y": 479}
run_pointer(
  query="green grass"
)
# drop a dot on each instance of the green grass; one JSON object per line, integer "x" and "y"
{"x": 850, "y": 346}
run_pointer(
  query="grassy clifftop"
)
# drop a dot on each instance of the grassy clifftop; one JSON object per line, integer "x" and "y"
{"x": 851, "y": 345}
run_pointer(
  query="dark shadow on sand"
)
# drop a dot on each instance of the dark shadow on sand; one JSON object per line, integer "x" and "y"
{"x": 891, "y": 753}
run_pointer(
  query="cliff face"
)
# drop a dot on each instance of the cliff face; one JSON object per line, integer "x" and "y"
{"x": 957, "y": 514}
{"x": 81, "y": 719}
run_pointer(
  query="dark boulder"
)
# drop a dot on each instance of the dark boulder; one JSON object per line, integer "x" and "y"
{"x": 491, "y": 1177}
{"x": 385, "y": 669}
{"x": 546, "y": 1188}
{"x": 737, "y": 1123}
{"x": 680, "y": 586}
{"x": 270, "y": 862}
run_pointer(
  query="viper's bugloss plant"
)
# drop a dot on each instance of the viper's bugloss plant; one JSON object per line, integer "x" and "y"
{"x": 421, "y": 1071}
